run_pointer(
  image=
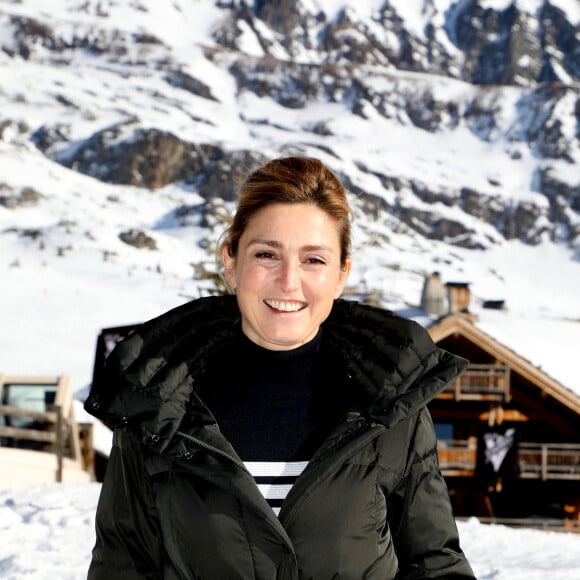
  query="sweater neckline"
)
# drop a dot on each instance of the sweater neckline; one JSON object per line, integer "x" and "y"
{"x": 249, "y": 350}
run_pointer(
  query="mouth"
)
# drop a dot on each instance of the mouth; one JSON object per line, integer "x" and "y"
{"x": 285, "y": 305}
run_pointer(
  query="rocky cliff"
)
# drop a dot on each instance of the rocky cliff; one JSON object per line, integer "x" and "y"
{"x": 247, "y": 80}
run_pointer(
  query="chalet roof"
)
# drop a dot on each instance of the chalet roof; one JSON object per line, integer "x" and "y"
{"x": 458, "y": 323}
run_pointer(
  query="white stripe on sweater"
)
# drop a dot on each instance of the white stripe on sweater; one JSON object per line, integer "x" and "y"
{"x": 275, "y": 468}
{"x": 275, "y": 493}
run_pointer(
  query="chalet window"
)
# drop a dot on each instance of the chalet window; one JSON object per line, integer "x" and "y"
{"x": 37, "y": 398}
{"x": 444, "y": 431}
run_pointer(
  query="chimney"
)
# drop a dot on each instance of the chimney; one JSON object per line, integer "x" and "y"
{"x": 434, "y": 296}
{"x": 458, "y": 295}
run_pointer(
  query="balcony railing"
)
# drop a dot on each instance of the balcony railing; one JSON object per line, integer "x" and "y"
{"x": 457, "y": 457}
{"x": 480, "y": 382}
{"x": 536, "y": 460}
{"x": 549, "y": 460}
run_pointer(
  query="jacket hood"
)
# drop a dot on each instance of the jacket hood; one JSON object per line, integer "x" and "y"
{"x": 149, "y": 378}
{"x": 392, "y": 359}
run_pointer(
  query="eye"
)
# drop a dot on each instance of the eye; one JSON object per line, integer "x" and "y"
{"x": 264, "y": 255}
{"x": 316, "y": 261}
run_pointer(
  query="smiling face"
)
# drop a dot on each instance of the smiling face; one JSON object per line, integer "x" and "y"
{"x": 287, "y": 273}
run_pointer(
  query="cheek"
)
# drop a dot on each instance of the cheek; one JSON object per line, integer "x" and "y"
{"x": 323, "y": 289}
{"x": 328, "y": 283}
{"x": 251, "y": 276}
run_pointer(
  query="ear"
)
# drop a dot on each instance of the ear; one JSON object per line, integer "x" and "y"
{"x": 229, "y": 263}
{"x": 343, "y": 277}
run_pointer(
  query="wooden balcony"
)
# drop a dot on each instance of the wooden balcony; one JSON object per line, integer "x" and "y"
{"x": 549, "y": 461}
{"x": 480, "y": 382}
{"x": 545, "y": 461}
{"x": 457, "y": 458}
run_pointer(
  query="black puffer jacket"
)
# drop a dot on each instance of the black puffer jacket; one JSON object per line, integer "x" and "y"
{"x": 177, "y": 503}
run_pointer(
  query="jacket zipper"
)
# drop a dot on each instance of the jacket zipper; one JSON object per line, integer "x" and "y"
{"x": 213, "y": 449}
{"x": 276, "y": 523}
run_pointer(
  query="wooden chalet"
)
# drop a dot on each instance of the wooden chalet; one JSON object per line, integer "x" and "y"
{"x": 40, "y": 439}
{"x": 504, "y": 404}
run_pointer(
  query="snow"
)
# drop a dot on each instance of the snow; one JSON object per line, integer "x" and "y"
{"x": 249, "y": 42}
{"x": 499, "y": 5}
{"x": 570, "y": 7}
{"x": 332, "y": 8}
{"x": 414, "y": 11}
{"x": 47, "y": 532}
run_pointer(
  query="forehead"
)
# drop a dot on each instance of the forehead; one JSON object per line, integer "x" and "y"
{"x": 298, "y": 221}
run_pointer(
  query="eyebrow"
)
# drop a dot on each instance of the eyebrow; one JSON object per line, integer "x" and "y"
{"x": 278, "y": 245}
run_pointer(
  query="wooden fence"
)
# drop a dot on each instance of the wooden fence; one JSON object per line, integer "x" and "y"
{"x": 52, "y": 431}
{"x": 548, "y": 524}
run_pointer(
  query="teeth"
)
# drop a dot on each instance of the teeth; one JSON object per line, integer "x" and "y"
{"x": 285, "y": 306}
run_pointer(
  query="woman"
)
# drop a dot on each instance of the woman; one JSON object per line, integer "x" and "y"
{"x": 281, "y": 433}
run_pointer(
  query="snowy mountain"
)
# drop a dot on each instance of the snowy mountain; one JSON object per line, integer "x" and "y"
{"x": 126, "y": 125}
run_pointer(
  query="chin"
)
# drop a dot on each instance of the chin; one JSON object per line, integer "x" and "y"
{"x": 285, "y": 341}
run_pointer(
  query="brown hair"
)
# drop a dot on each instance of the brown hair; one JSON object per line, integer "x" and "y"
{"x": 291, "y": 180}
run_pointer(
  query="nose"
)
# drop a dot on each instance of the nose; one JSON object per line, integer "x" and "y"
{"x": 289, "y": 275}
